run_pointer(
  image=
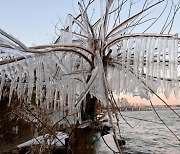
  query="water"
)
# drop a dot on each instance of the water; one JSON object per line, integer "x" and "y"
{"x": 147, "y": 137}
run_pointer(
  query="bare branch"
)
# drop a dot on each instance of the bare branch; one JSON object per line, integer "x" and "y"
{"x": 132, "y": 17}
{"x": 156, "y": 18}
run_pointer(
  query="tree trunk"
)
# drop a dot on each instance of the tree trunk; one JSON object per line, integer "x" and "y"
{"x": 81, "y": 140}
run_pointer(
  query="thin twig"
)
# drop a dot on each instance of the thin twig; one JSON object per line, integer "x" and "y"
{"x": 163, "y": 121}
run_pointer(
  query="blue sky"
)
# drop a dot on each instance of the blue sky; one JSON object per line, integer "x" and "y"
{"x": 31, "y": 21}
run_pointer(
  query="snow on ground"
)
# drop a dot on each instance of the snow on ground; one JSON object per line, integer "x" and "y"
{"x": 51, "y": 140}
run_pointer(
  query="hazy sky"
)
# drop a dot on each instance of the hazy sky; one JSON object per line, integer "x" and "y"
{"x": 32, "y": 22}
{"x": 171, "y": 100}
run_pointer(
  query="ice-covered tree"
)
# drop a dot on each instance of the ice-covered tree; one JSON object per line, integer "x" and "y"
{"x": 94, "y": 58}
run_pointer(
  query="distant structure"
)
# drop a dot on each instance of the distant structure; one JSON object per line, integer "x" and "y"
{"x": 124, "y": 105}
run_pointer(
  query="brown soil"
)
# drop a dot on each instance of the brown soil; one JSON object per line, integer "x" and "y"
{"x": 13, "y": 130}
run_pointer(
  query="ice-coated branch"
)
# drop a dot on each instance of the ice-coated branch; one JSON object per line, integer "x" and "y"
{"x": 13, "y": 40}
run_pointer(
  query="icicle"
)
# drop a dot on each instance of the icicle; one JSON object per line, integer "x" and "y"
{"x": 108, "y": 73}
{"x": 149, "y": 42}
{"x": 69, "y": 93}
{"x": 158, "y": 68}
{"x": 55, "y": 99}
{"x": 73, "y": 95}
{"x": 66, "y": 106}
{"x": 12, "y": 88}
{"x": 110, "y": 76}
{"x": 20, "y": 84}
{"x": 176, "y": 90}
{"x": 44, "y": 84}
{"x": 30, "y": 79}
{"x": 70, "y": 29}
{"x": 136, "y": 56}
{"x": 129, "y": 51}
{"x": 63, "y": 96}
{"x": 175, "y": 57}
{"x": 41, "y": 79}
{"x": 124, "y": 52}
{"x": 154, "y": 61}
{"x": 88, "y": 85}
{"x": 123, "y": 80}
{"x": 151, "y": 59}
{"x": 58, "y": 87}
{"x": 66, "y": 36}
{"x": 47, "y": 83}
{"x": 37, "y": 66}
{"x": 162, "y": 65}
{"x": 170, "y": 51}
{"x": 132, "y": 83}
{"x": 8, "y": 71}
{"x": 24, "y": 89}
{"x": 141, "y": 57}
{"x": 165, "y": 69}
{"x": 116, "y": 79}
{"x": 53, "y": 70}
{"x": 3, "y": 78}
{"x": 125, "y": 62}
{"x": 167, "y": 90}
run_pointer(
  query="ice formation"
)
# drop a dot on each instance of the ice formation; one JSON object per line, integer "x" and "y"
{"x": 145, "y": 62}
{"x": 59, "y": 79}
